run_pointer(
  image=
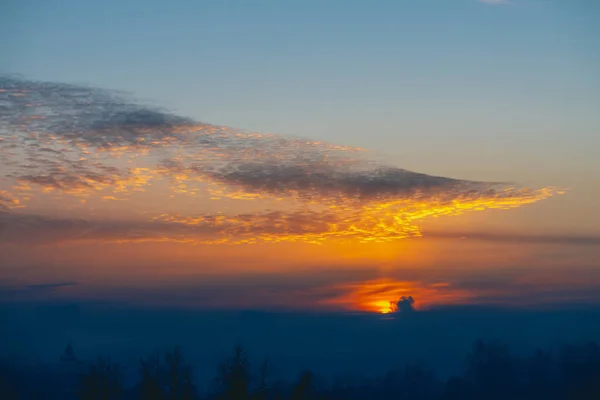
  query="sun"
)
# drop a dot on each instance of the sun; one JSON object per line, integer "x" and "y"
{"x": 383, "y": 306}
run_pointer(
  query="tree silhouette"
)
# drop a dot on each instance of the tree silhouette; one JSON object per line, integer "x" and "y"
{"x": 7, "y": 391}
{"x": 303, "y": 390}
{"x": 150, "y": 384}
{"x": 456, "y": 389}
{"x": 262, "y": 388}
{"x": 580, "y": 366}
{"x": 491, "y": 370}
{"x": 179, "y": 384}
{"x": 418, "y": 383}
{"x": 233, "y": 377}
{"x": 168, "y": 380}
{"x": 569, "y": 372}
{"x": 68, "y": 355}
{"x": 102, "y": 381}
{"x": 540, "y": 374}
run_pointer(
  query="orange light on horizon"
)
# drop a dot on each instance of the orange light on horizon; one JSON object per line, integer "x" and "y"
{"x": 383, "y": 307}
{"x": 381, "y": 295}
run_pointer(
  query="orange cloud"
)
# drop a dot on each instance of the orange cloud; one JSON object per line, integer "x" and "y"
{"x": 84, "y": 142}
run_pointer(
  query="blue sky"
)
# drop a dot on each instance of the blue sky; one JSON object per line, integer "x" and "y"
{"x": 418, "y": 70}
{"x": 438, "y": 85}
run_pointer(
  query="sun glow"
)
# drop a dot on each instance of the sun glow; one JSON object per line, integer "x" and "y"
{"x": 382, "y": 295}
{"x": 383, "y": 307}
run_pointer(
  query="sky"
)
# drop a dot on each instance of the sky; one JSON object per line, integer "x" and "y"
{"x": 300, "y": 155}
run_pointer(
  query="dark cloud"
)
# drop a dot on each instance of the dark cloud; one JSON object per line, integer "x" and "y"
{"x": 326, "y": 180}
{"x": 35, "y": 229}
{"x": 404, "y": 305}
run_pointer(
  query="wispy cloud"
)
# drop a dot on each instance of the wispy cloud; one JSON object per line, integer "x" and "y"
{"x": 50, "y": 286}
{"x": 14, "y": 291}
{"x": 271, "y": 226}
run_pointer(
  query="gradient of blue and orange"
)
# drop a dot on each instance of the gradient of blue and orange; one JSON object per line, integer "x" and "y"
{"x": 164, "y": 209}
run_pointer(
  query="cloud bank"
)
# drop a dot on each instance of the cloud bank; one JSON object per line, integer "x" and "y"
{"x": 60, "y": 140}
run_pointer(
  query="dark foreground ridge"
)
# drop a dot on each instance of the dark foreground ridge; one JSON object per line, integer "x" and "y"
{"x": 490, "y": 372}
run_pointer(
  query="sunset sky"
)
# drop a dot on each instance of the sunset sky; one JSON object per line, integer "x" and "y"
{"x": 304, "y": 155}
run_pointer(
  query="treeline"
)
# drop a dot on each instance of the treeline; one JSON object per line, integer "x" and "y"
{"x": 491, "y": 372}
